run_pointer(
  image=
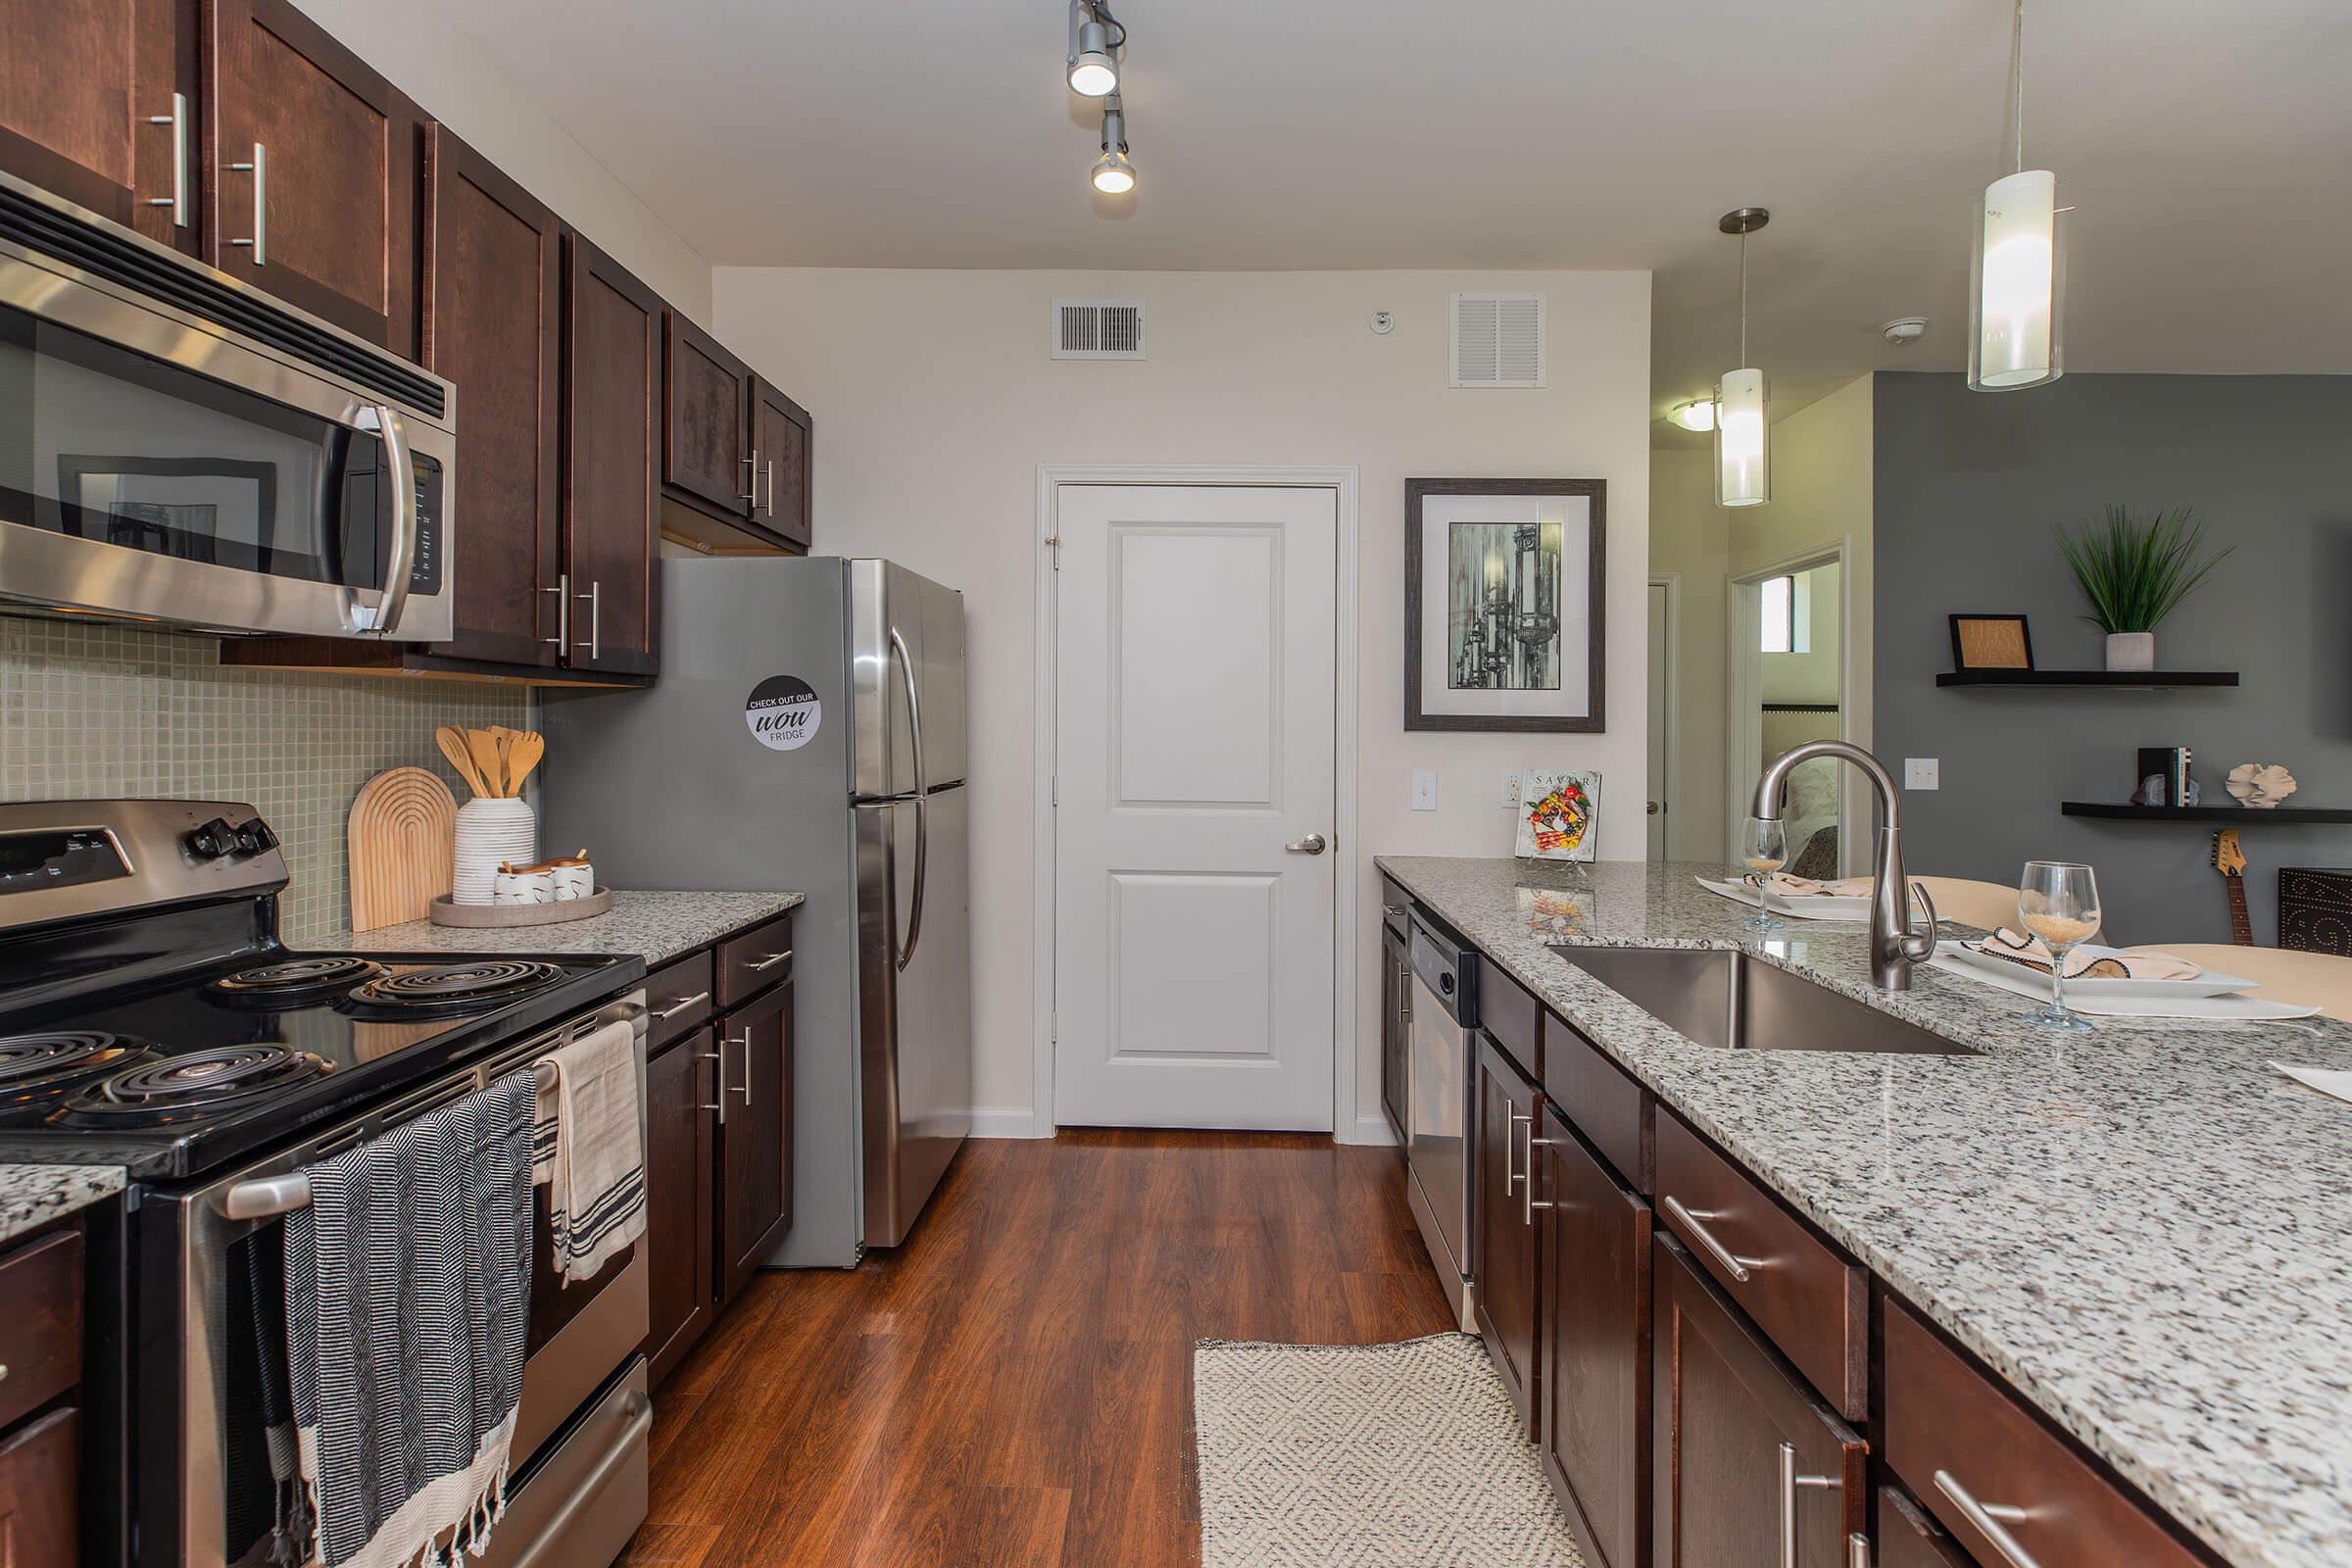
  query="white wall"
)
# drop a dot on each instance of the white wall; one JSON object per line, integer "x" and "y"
{"x": 1691, "y": 540}
{"x": 420, "y": 52}
{"x": 934, "y": 403}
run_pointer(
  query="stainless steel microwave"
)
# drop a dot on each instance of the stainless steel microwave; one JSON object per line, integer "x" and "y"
{"x": 177, "y": 447}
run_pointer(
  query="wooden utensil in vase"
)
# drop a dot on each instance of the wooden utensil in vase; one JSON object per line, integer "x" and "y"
{"x": 484, "y": 746}
{"x": 454, "y": 747}
{"x": 528, "y": 747}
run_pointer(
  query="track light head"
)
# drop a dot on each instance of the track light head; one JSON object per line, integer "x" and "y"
{"x": 1093, "y": 52}
{"x": 1114, "y": 175}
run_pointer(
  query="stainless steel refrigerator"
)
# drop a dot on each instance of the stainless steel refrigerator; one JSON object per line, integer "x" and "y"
{"x": 808, "y": 733}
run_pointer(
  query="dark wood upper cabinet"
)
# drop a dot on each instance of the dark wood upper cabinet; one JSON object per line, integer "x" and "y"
{"x": 611, "y": 436}
{"x": 707, "y": 400}
{"x": 1741, "y": 1446}
{"x": 313, "y": 171}
{"x": 681, "y": 1142}
{"x": 492, "y": 326}
{"x": 755, "y": 1046}
{"x": 98, "y": 103}
{"x": 1504, "y": 1212}
{"x": 781, "y": 432}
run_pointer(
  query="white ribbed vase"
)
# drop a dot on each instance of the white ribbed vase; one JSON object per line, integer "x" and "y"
{"x": 490, "y": 833}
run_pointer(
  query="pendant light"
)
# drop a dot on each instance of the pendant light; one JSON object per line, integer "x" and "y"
{"x": 2014, "y": 338}
{"x": 1742, "y": 442}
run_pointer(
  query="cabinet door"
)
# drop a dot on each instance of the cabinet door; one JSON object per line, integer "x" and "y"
{"x": 313, "y": 187}
{"x": 755, "y": 1136}
{"x": 1909, "y": 1539}
{"x": 1504, "y": 1257}
{"x": 1594, "y": 1354}
{"x": 493, "y": 325}
{"x": 680, "y": 1149}
{"x": 612, "y": 437}
{"x": 780, "y": 449}
{"x": 1742, "y": 1452}
{"x": 1396, "y": 1028}
{"x": 38, "y": 1488}
{"x": 706, "y": 401}
{"x": 98, "y": 104}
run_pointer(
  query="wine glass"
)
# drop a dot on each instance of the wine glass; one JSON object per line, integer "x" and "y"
{"x": 2058, "y": 900}
{"x": 1765, "y": 847}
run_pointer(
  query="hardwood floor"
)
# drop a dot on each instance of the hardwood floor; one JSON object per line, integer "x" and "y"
{"x": 1014, "y": 1386}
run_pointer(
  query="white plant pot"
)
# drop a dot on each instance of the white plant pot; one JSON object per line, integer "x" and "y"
{"x": 2130, "y": 650}
{"x": 490, "y": 833}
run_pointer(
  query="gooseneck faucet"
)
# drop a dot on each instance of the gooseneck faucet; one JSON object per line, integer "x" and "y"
{"x": 1893, "y": 946}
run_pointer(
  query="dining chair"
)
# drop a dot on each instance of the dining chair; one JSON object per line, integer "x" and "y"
{"x": 2319, "y": 980}
{"x": 1987, "y": 905}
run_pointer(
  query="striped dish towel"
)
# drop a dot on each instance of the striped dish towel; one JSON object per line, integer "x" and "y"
{"x": 588, "y": 1146}
{"x": 407, "y": 1297}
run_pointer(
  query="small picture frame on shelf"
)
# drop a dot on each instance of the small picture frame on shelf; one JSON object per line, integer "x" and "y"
{"x": 1990, "y": 641}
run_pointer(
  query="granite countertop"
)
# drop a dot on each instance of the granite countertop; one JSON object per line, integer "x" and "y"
{"x": 35, "y": 1195}
{"x": 656, "y": 926}
{"x": 2144, "y": 1229}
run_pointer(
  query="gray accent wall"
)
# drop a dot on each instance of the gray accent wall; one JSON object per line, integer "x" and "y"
{"x": 1967, "y": 487}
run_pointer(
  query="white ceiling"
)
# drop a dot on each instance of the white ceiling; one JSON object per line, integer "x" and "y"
{"x": 2209, "y": 148}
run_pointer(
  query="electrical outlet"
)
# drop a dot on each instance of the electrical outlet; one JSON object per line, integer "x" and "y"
{"x": 1921, "y": 772}
{"x": 1425, "y": 791}
{"x": 1510, "y": 792}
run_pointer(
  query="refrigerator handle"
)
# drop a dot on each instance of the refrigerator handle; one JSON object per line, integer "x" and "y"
{"x": 922, "y": 800}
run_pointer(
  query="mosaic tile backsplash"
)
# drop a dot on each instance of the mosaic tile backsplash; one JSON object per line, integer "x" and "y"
{"x": 101, "y": 711}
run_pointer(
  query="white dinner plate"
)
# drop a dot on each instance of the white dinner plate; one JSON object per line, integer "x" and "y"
{"x": 1806, "y": 907}
{"x": 2212, "y": 983}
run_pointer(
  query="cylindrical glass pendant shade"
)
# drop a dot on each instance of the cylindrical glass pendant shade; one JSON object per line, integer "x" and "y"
{"x": 2014, "y": 339}
{"x": 1742, "y": 443}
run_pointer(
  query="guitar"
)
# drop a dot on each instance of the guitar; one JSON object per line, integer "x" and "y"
{"x": 2230, "y": 862}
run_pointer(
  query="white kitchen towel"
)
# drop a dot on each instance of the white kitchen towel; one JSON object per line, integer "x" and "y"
{"x": 1783, "y": 886}
{"x": 588, "y": 1146}
{"x": 2326, "y": 1080}
{"x": 2136, "y": 964}
{"x": 2035, "y": 986}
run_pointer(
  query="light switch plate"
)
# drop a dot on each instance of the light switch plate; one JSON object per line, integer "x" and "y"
{"x": 1425, "y": 791}
{"x": 1921, "y": 772}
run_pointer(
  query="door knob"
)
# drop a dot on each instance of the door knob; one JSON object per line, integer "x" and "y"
{"x": 1312, "y": 844}
{"x": 1653, "y": 808}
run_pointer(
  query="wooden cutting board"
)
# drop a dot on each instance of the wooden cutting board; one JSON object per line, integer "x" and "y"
{"x": 402, "y": 835}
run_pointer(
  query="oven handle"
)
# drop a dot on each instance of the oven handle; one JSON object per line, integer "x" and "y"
{"x": 384, "y": 619}
{"x": 641, "y": 1421}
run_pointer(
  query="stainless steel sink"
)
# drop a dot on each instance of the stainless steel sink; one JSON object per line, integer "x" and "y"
{"x": 1720, "y": 996}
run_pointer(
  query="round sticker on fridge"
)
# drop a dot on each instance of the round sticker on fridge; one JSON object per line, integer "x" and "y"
{"x": 783, "y": 712}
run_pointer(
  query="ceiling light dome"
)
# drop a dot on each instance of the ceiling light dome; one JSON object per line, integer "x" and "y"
{"x": 1697, "y": 415}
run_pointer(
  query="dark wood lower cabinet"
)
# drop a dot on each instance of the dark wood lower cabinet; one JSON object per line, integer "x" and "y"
{"x": 1504, "y": 1253}
{"x": 755, "y": 1136}
{"x": 1909, "y": 1539}
{"x": 681, "y": 1142}
{"x": 39, "y": 1468}
{"x": 1594, "y": 1354}
{"x": 1743, "y": 1452}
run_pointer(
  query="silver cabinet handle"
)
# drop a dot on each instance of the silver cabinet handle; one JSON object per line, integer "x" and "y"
{"x": 1857, "y": 1550}
{"x": 1991, "y": 1520}
{"x": 682, "y": 1003}
{"x": 259, "y": 168}
{"x": 772, "y": 959}
{"x": 595, "y": 619}
{"x": 719, "y": 1057}
{"x": 562, "y": 592}
{"x": 1740, "y": 1266}
{"x": 922, "y": 801}
{"x": 1529, "y": 1202}
{"x": 1790, "y": 1480}
{"x": 1510, "y": 1177}
{"x": 384, "y": 619}
{"x": 1396, "y": 909}
{"x": 178, "y": 120}
{"x": 750, "y": 497}
{"x": 1312, "y": 844}
{"x": 744, "y": 1088}
{"x": 771, "y": 487}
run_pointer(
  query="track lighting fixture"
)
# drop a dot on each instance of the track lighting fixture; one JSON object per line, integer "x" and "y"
{"x": 1114, "y": 175}
{"x": 1096, "y": 39}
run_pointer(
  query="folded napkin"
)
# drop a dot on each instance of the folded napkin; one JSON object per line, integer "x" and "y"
{"x": 1782, "y": 885}
{"x": 2326, "y": 1080}
{"x": 587, "y": 1145}
{"x": 408, "y": 1282}
{"x": 2143, "y": 963}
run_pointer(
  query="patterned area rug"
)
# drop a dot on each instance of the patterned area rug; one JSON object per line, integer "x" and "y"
{"x": 1366, "y": 1457}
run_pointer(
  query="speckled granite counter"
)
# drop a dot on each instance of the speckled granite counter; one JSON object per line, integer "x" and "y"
{"x": 657, "y": 926}
{"x": 35, "y": 1195}
{"x": 2144, "y": 1229}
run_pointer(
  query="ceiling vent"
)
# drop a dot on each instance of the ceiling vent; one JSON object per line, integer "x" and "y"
{"x": 1498, "y": 340}
{"x": 1098, "y": 329}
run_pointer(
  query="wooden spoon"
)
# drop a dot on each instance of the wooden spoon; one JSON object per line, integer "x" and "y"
{"x": 530, "y": 746}
{"x": 453, "y": 747}
{"x": 485, "y": 758}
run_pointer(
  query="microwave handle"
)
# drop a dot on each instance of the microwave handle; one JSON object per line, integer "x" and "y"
{"x": 384, "y": 619}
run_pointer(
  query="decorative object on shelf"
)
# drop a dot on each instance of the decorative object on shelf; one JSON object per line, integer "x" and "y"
{"x": 1559, "y": 816}
{"x": 2017, "y": 270}
{"x": 523, "y": 884}
{"x": 2261, "y": 786}
{"x": 1504, "y": 609}
{"x": 574, "y": 876}
{"x": 1742, "y": 433}
{"x": 2230, "y": 862}
{"x": 2164, "y": 777}
{"x": 2315, "y": 909}
{"x": 401, "y": 837}
{"x": 495, "y": 829}
{"x": 1992, "y": 642}
{"x": 2135, "y": 571}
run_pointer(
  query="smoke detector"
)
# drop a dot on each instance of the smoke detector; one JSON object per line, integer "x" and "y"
{"x": 1904, "y": 330}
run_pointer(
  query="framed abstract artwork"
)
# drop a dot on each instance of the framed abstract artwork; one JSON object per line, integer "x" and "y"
{"x": 1503, "y": 613}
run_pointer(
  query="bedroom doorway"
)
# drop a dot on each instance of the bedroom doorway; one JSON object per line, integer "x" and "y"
{"x": 1787, "y": 641}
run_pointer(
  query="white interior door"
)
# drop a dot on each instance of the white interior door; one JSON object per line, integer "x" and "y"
{"x": 1195, "y": 735}
{"x": 1661, "y": 714}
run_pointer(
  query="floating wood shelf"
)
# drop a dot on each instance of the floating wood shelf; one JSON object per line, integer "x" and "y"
{"x": 2234, "y": 814}
{"x": 2122, "y": 680}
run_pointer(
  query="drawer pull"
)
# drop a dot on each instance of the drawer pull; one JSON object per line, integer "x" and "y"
{"x": 1740, "y": 1267}
{"x": 682, "y": 1005}
{"x": 1857, "y": 1550}
{"x": 1990, "y": 1518}
{"x": 1790, "y": 1480}
{"x": 772, "y": 959}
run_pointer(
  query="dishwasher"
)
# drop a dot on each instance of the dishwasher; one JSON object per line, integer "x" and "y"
{"x": 1443, "y": 1042}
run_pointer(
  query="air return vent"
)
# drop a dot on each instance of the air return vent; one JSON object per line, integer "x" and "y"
{"x": 1098, "y": 329}
{"x": 1498, "y": 340}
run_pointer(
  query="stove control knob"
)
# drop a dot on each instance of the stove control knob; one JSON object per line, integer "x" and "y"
{"x": 213, "y": 840}
{"x": 254, "y": 837}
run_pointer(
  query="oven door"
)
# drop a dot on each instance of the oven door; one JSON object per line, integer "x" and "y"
{"x": 158, "y": 466}
{"x": 207, "y": 1493}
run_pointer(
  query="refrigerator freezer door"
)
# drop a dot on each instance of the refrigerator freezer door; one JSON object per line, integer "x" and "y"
{"x": 891, "y": 609}
{"x": 915, "y": 1022}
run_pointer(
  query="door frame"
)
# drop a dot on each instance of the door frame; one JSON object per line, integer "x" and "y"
{"x": 1347, "y": 1125}
{"x": 1743, "y": 689}
{"x": 1672, "y": 582}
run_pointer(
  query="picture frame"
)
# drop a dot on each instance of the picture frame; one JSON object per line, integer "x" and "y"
{"x": 1558, "y": 815}
{"x": 1505, "y": 621}
{"x": 1990, "y": 641}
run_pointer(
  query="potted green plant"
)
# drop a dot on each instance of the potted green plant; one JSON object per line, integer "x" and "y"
{"x": 2134, "y": 570}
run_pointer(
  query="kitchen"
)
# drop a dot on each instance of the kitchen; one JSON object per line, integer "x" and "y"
{"x": 984, "y": 888}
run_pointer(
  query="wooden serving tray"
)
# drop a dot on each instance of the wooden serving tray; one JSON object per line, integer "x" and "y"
{"x": 492, "y": 916}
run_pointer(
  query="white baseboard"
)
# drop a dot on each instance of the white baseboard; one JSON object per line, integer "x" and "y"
{"x": 1372, "y": 1130}
{"x": 1007, "y": 1121}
